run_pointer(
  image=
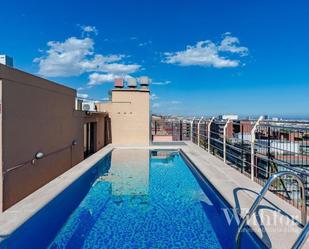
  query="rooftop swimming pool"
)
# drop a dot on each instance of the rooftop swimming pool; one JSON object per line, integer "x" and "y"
{"x": 135, "y": 198}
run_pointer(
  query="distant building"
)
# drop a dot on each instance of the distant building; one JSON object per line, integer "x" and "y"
{"x": 278, "y": 147}
{"x": 229, "y": 116}
{"x": 6, "y": 60}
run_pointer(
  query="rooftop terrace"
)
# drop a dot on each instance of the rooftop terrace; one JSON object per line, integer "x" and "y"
{"x": 234, "y": 157}
{"x": 277, "y": 222}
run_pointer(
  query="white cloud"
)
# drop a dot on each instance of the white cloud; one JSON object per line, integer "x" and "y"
{"x": 119, "y": 68}
{"x": 207, "y": 54}
{"x": 143, "y": 44}
{"x": 99, "y": 60}
{"x": 156, "y": 105}
{"x": 65, "y": 58}
{"x": 82, "y": 95}
{"x": 154, "y": 96}
{"x": 76, "y": 56}
{"x": 95, "y": 79}
{"x": 230, "y": 44}
{"x": 89, "y": 29}
{"x": 99, "y": 79}
{"x": 161, "y": 83}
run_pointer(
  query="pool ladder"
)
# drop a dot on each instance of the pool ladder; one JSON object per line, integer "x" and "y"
{"x": 305, "y": 232}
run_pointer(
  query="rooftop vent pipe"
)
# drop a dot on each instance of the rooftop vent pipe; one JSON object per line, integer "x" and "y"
{"x": 119, "y": 82}
{"x": 144, "y": 81}
{"x": 132, "y": 82}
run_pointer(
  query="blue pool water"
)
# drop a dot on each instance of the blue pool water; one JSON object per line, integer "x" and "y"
{"x": 134, "y": 199}
{"x": 157, "y": 205}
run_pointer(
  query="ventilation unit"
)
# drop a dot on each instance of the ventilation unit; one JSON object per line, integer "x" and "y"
{"x": 88, "y": 106}
{"x": 144, "y": 81}
{"x": 119, "y": 82}
{"x": 132, "y": 82}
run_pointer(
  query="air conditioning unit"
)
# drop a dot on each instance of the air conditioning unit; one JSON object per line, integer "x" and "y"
{"x": 88, "y": 106}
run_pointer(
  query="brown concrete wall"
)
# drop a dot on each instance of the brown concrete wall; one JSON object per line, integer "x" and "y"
{"x": 101, "y": 129}
{"x": 38, "y": 115}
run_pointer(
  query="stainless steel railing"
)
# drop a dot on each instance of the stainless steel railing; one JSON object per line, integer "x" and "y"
{"x": 257, "y": 148}
{"x": 301, "y": 238}
{"x": 261, "y": 196}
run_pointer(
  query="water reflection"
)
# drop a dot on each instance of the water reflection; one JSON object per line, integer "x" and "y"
{"x": 163, "y": 157}
{"x": 129, "y": 172}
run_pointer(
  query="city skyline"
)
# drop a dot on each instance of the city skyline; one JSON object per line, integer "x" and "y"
{"x": 204, "y": 58}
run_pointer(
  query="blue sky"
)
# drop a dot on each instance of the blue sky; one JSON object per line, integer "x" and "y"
{"x": 204, "y": 57}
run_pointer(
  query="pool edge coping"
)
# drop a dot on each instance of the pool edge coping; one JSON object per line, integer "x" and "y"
{"x": 15, "y": 216}
{"x": 207, "y": 169}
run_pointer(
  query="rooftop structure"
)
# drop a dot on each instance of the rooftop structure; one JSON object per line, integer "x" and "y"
{"x": 119, "y": 83}
{"x": 6, "y": 60}
{"x": 132, "y": 83}
{"x": 129, "y": 110}
{"x": 63, "y": 156}
{"x": 144, "y": 81}
{"x": 42, "y": 133}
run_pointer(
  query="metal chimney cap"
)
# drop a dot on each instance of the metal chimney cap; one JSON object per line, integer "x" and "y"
{"x": 119, "y": 82}
{"x": 132, "y": 82}
{"x": 144, "y": 80}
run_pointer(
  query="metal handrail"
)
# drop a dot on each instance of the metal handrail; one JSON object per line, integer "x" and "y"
{"x": 261, "y": 196}
{"x": 15, "y": 167}
{"x": 301, "y": 238}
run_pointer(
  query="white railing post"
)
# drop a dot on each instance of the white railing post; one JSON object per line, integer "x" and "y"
{"x": 224, "y": 139}
{"x": 252, "y": 146}
{"x": 191, "y": 129}
{"x": 198, "y": 131}
{"x": 209, "y": 125}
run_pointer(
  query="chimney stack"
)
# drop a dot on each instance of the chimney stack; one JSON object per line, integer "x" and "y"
{"x": 132, "y": 82}
{"x": 119, "y": 83}
{"x": 144, "y": 81}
